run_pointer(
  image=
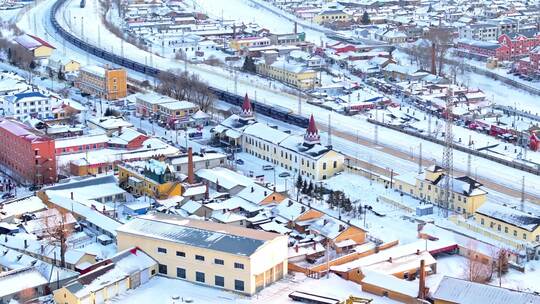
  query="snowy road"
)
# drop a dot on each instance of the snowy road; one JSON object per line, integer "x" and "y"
{"x": 355, "y": 129}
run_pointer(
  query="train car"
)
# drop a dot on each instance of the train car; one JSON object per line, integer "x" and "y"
{"x": 298, "y": 120}
{"x": 262, "y": 108}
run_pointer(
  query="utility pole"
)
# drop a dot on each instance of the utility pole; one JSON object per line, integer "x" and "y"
{"x": 523, "y": 194}
{"x": 99, "y": 37}
{"x": 299, "y": 103}
{"x": 376, "y": 135}
{"x": 330, "y": 129}
{"x": 469, "y": 158}
{"x": 420, "y": 159}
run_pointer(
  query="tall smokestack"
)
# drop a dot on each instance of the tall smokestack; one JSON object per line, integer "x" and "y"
{"x": 422, "y": 281}
{"x": 191, "y": 177}
{"x": 433, "y": 66}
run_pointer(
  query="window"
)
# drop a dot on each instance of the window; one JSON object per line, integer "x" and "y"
{"x": 199, "y": 276}
{"x": 219, "y": 281}
{"x": 162, "y": 269}
{"x": 238, "y": 285}
{"x": 505, "y": 229}
{"x": 515, "y": 232}
{"x": 219, "y": 261}
{"x": 239, "y": 265}
{"x": 199, "y": 257}
{"x": 482, "y": 221}
{"x": 161, "y": 250}
{"x": 324, "y": 166}
{"x": 524, "y": 236}
{"x": 180, "y": 273}
{"x": 335, "y": 164}
{"x": 180, "y": 254}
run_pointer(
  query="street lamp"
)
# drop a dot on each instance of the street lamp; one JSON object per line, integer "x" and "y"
{"x": 366, "y": 208}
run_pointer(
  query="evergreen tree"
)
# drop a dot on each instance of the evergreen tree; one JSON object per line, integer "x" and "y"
{"x": 365, "y": 18}
{"x": 249, "y": 65}
{"x": 310, "y": 189}
{"x": 305, "y": 187}
{"x": 299, "y": 182}
{"x": 108, "y": 112}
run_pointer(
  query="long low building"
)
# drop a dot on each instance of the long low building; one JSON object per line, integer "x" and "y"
{"x": 219, "y": 255}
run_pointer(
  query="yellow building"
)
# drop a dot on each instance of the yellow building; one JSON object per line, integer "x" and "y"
{"x": 291, "y": 73}
{"x": 466, "y": 197}
{"x": 151, "y": 178}
{"x": 306, "y": 156}
{"x": 239, "y": 44}
{"x": 109, "y": 278}
{"x": 331, "y": 15}
{"x": 103, "y": 82}
{"x": 219, "y": 255}
{"x": 71, "y": 66}
{"x": 510, "y": 222}
{"x": 38, "y": 47}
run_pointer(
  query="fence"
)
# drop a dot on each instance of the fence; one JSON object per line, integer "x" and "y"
{"x": 512, "y": 164}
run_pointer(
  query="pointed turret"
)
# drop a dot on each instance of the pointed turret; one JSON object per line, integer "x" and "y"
{"x": 247, "y": 112}
{"x": 312, "y": 134}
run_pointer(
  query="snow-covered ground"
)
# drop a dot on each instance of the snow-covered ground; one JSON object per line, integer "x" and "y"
{"x": 162, "y": 290}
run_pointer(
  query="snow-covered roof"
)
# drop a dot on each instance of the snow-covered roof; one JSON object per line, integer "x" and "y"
{"x": 197, "y": 233}
{"x": 455, "y": 290}
{"x": 81, "y": 141}
{"x": 511, "y": 216}
{"x": 91, "y": 188}
{"x": 94, "y": 70}
{"x": 109, "y": 123}
{"x": 18, "y": 280}
{"x": 226, "y": 178}
{"x": 32, "y": 42}
{"x": 390, "y": 282}
{"x": 105, "y": 273}
{"x": 17, "y": 207}
{"x": 92, "y": 216}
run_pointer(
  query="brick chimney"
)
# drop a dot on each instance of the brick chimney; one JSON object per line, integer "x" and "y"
{"x": 191, "y": 175}
{"x": 422, "y": 281}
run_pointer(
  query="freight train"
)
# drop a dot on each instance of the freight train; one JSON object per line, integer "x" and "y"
{"x": 276, "y": 112}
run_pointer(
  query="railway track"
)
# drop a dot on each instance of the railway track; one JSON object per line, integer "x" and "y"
{"x": 273, "y": 112}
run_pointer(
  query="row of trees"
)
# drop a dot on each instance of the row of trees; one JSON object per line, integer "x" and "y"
{"x": 186, "y": 86}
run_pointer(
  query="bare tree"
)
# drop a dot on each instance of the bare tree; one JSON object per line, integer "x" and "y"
{"x": 57, "y": 229}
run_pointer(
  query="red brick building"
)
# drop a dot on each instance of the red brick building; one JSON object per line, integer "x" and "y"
{"x": 507, "y": 47}
{"x": 531, "y": 64}
{"x": 27, "y": 155}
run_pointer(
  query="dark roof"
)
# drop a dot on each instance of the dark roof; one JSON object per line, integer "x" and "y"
{"x": 92, "y": 181}
{"x": 27, "y": 95}
{"x": 202, "y": 234}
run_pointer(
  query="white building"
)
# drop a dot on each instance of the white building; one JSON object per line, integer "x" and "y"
{"x": 27, "y": 104}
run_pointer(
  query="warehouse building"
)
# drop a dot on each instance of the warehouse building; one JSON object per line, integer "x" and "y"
{"x": 219, "y": 255}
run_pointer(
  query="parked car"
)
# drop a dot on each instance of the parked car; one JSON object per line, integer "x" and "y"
{"x": 239, "y": 161}
{"x": 34, "y": 188}
{"x": 284, "y": 174}
{"x": 268, "y": 167}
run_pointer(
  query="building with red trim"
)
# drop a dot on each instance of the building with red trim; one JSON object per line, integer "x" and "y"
{"x": 507, "y": 47}
{"x": 25, "y": 154}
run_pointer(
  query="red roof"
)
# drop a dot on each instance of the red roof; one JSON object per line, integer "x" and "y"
{"x": 43, "y": 42}
{"x": 18, "y": 129}
{"x": 246, "y": 106}
{"x": 312, "y": 128}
